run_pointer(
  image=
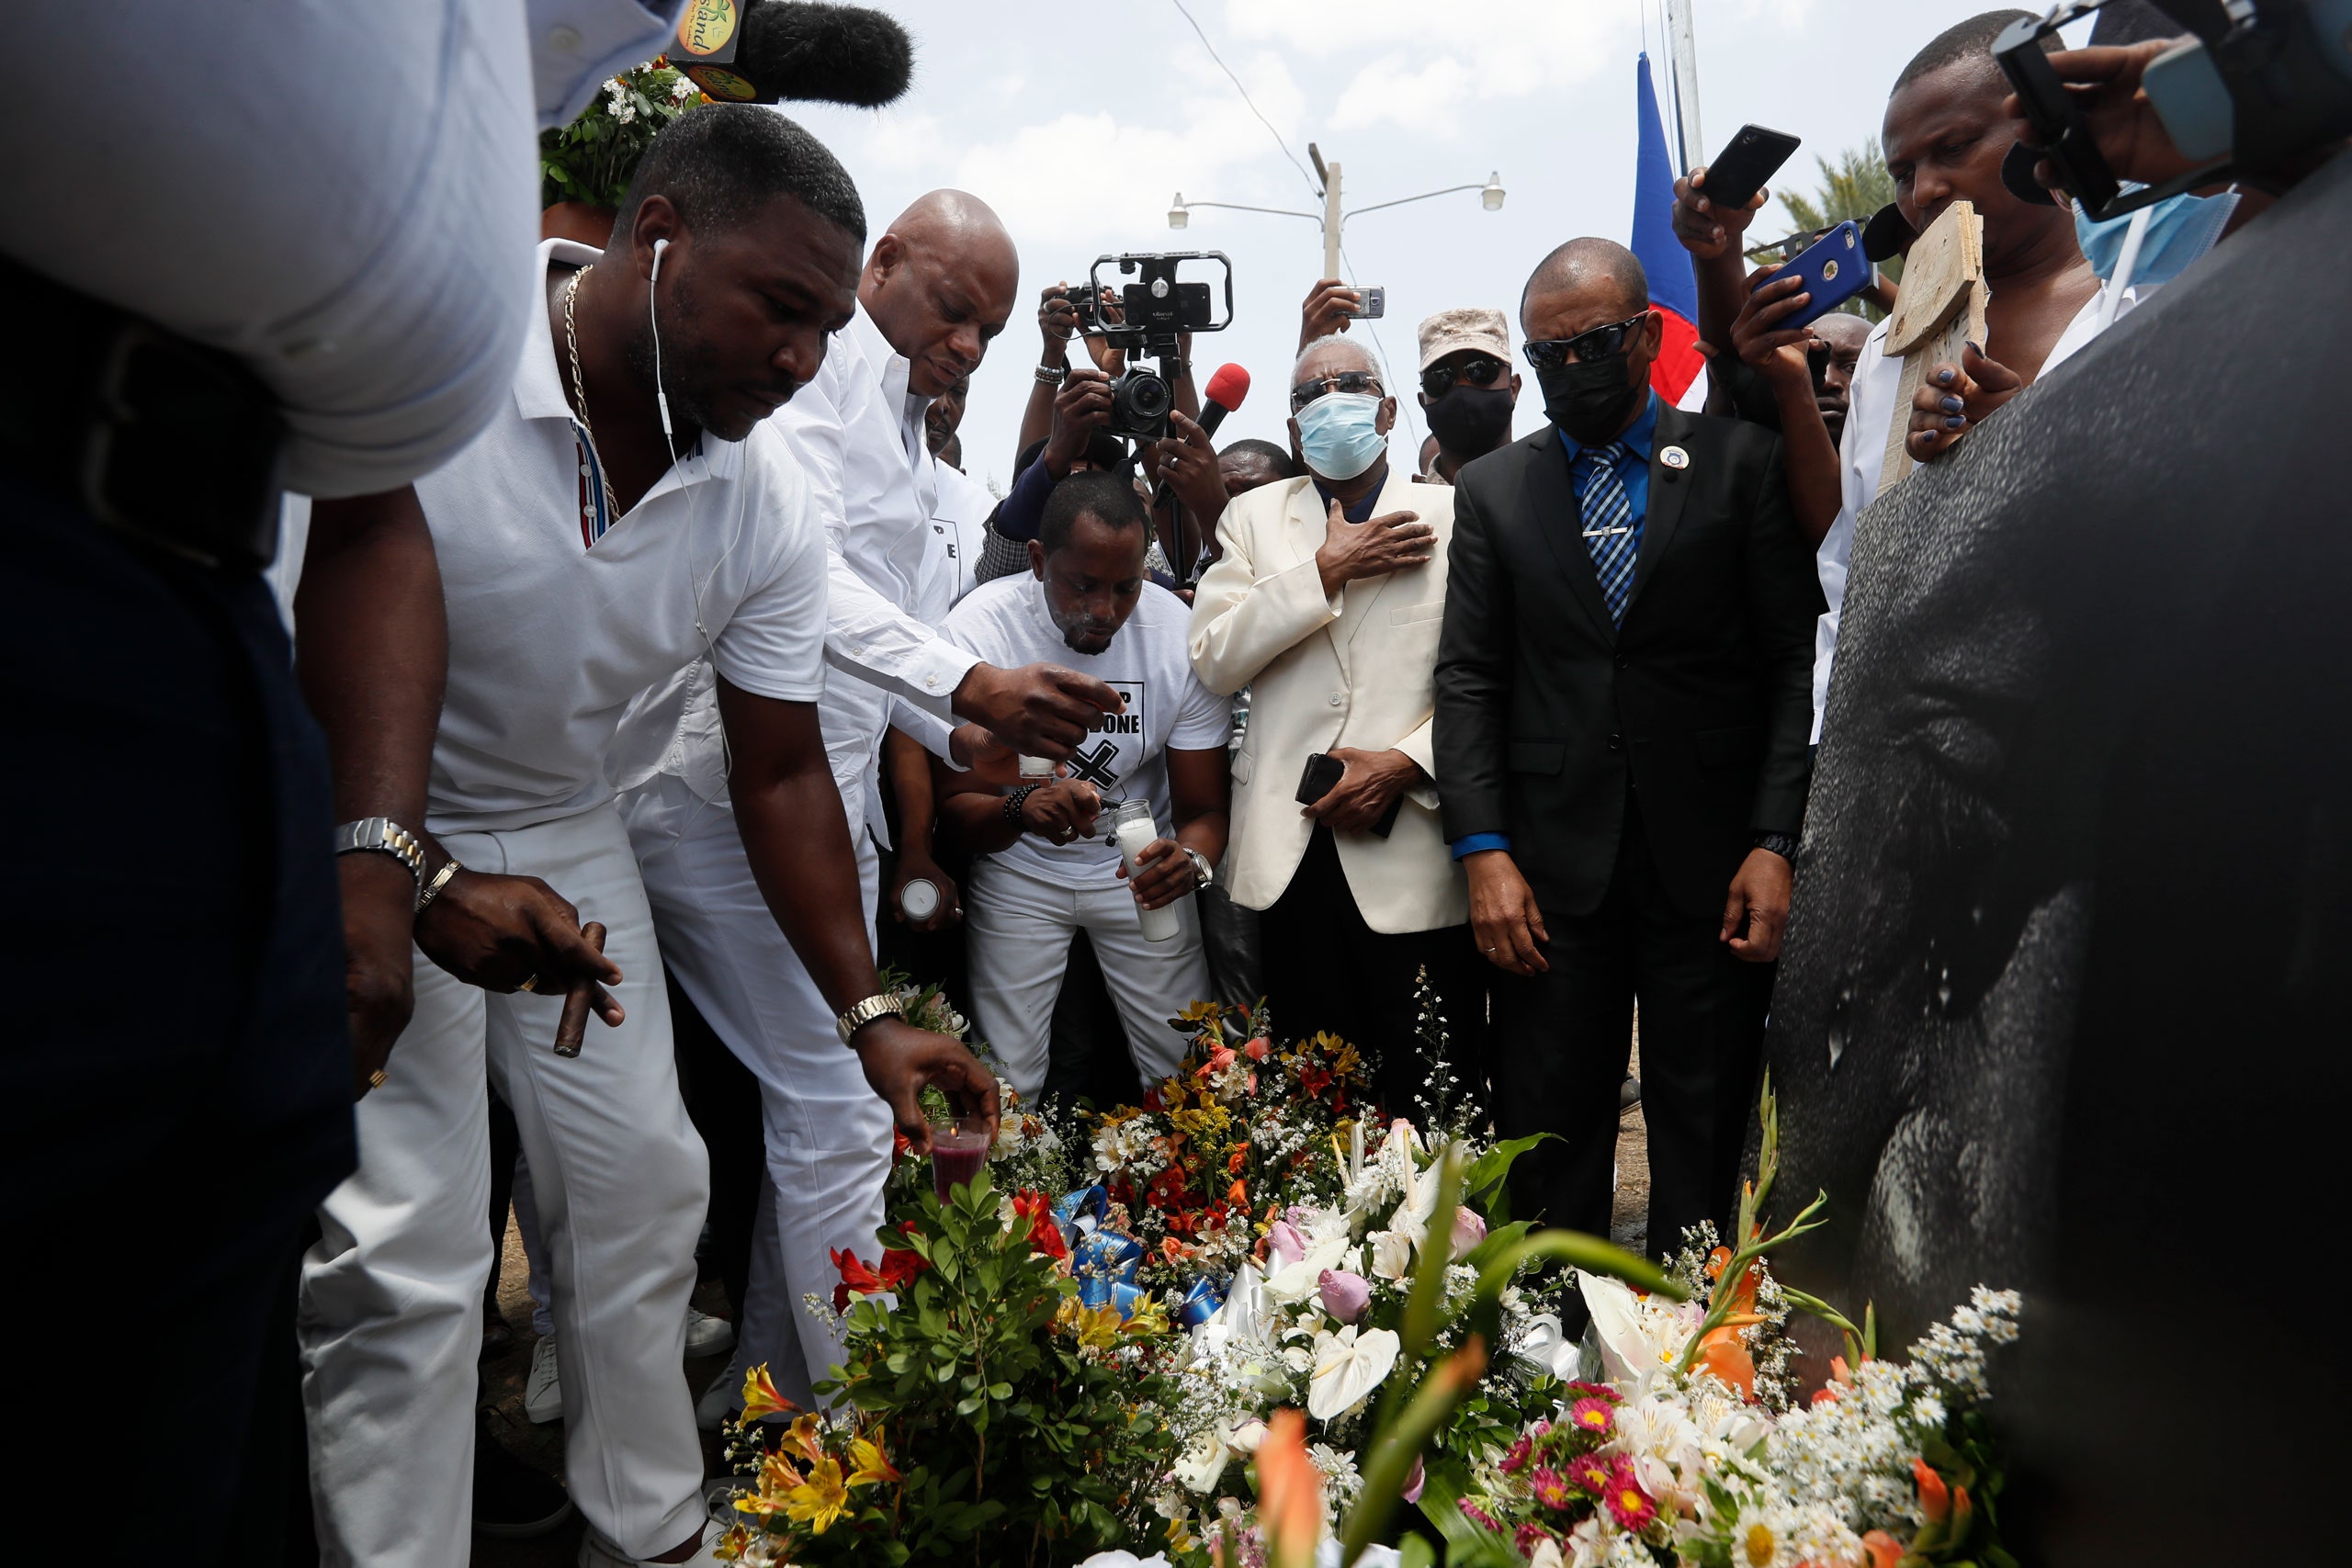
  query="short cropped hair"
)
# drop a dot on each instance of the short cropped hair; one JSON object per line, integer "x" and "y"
{"x": 1275, "y": 456}
{"x": 1964, "y": 43}
{"x": 722, "y": 163}
{"x": 1325, "y": 344}
{"x": 1588, "y": 254}
{"x": 1109, "y": 498}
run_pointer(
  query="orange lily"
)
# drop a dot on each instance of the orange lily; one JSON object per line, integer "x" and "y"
{"x": 1935, "y": 1498}
{"x": 1884, "y": 1551}
{"x": 1290, "y": 1493}
{"x": 760, "y": 1395}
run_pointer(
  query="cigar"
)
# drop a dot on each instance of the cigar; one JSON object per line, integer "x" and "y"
{"x": 572, "y": 1030}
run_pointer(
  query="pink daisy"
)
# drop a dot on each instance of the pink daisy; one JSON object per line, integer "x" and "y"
{"x": 1592, "y": 1416}
{"x": 1516, "y": 1460}
{"x": 1550, "y": 1487}
{"x": 1632, "y": 1508}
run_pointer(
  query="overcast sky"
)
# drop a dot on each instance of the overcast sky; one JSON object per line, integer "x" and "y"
{"x": 1079, "y": 122}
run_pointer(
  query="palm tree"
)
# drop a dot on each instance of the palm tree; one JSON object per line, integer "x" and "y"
{"x": 1855, "y": 186}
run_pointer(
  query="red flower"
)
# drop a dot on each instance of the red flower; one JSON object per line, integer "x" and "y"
{"x": 1589, "y": 1472}
{"x": 900, "y": 1266}
{"x": 1045, "y": 1235}
{"x": 856, "y": 1279}
{"x": 1632, "y": 1508}
{"x": 1516, "y": 1460}
{"x": 1596, "y": 1391}
{"x": 900, "y": 1147}
{"x": 1935, "y": 1497}
{"x": 1529, "y": 1536}
{"x": 1259, "y": 1048}
{"x": 1592, "y": 1416}
{"x": 1479, "y": 1516}
{"x": 1550, "y": 1487}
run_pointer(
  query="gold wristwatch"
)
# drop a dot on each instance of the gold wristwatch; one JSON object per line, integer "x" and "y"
{"x": 866, "y": 1012}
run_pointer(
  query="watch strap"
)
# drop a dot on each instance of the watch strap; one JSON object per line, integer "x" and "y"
{"x": 881, "y": 1005}
{"x": 1781, "y": 844}
{"x": 383, "y": 835}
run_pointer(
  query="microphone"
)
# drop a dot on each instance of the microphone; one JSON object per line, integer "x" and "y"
{"x": 1220, "y": 397}
{"x": 807, "y": 51}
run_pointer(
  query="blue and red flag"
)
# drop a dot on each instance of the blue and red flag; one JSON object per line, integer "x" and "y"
{"x": 1674, "y": 288}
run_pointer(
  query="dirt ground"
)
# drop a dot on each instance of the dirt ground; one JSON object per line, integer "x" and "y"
{"x": 542, "y": 1447}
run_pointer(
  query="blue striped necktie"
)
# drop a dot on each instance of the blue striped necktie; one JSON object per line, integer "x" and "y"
{"x": 1611, "y": 532}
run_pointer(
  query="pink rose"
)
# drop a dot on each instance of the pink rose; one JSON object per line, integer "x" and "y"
{"x": 1283, "y": 1244}
{"x": 1345, "y": 1296}
{"x": 1469, "y": 1230}
{"x": 1413, "y": 1479}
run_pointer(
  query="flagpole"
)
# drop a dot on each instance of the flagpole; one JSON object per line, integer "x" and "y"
{"x": 1682, "y": 51}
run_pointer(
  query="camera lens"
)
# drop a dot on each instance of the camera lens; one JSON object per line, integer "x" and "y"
{"x": 1144, "y": 397}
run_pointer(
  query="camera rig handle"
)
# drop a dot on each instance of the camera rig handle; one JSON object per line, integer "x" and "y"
{"x": 1156, "y": 307}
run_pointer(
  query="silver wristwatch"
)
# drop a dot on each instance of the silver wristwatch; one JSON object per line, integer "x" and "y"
{"x": 866, "y": 1012}
{"x": 1204, "y": 872}
{"x": 384, "y": 836}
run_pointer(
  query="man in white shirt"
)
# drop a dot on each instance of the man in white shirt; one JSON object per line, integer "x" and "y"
{"x": 610, "y": 528}
{"x": 936, "y": 288}
{"x": 1045, "y": 869}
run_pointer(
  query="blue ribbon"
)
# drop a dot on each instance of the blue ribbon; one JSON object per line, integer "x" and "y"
{"x": 1104, "y": 1263}
{"x": 1201, "y": 1302}
{"x": 1081, "y": 1212}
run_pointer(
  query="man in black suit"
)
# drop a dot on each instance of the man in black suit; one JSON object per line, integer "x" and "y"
{"x": 1623, "y": 698}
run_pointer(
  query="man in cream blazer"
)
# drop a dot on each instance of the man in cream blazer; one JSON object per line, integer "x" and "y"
{"x": 1326, "y": 604}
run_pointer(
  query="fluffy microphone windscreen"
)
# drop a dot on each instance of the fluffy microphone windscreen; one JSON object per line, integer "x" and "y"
{"x": 1228, "y": 386}
{"x": 808, "y": 50}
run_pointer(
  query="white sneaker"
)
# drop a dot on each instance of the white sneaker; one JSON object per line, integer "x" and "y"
{"x": 595, "y": 1551}
{"x": 543, "y": 1395}
{"x": 707, "y": 1335}
{"x": 723, "y": 1395}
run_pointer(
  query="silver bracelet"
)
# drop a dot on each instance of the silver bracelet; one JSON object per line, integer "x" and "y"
{"x": 449, "y": 868}
{"x": 1053, "y": 375}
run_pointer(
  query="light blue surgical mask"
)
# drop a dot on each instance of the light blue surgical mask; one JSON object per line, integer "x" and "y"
{"x": 1339, "y": 434}
{"x": 2180, "y": 229}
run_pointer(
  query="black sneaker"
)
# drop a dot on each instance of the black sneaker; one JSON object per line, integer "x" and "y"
{"x": 512, "y": 1501}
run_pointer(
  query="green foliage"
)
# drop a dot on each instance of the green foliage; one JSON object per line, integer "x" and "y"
{"x": 1855, "y": 186}
{"x": 1022, "y": 1438}
{"x": 592, "y": 158}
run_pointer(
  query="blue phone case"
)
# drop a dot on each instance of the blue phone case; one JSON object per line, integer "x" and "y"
{"x": 1833, "y": 270}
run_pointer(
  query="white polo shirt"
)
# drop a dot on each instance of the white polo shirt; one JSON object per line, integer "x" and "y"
{"x": 553, "y": 637}
{"x": 1149, "y": 662}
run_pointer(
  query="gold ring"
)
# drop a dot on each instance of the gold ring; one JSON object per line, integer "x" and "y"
{"x": 376, "y": 1079}
{"x": 530, "y": 983}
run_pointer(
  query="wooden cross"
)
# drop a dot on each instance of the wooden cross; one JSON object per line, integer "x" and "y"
{"x": 1940, "y": 311}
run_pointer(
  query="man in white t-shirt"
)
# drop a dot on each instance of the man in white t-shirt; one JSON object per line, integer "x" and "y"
{"x": 610, "y": 528}
{"x": 1044, "y": 867}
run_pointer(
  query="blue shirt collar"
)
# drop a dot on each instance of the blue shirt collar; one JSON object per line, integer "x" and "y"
{"x": 1639, "y": 437}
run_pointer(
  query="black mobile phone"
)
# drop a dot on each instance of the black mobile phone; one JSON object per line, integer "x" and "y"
{"x": 1322, "y": 776}
{"x": 1755, "y": 155}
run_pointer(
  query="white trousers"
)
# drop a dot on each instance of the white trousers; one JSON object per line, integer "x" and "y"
{"x": 828, "y": 1132}
{"x": 1017, "y": 931}
{"x": 391, "y": 1295}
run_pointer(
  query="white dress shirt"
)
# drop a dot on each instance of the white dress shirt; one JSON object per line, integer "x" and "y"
{"x": 858, "y": 433}
{"x": 350, "y": 192}
{"x": 1861, "y": 455}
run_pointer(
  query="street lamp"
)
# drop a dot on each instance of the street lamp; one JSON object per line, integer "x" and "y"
{"x": 1334, "y": 220}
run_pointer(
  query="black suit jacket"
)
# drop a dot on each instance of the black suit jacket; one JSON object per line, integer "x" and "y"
{"x": 1702, "y": 699}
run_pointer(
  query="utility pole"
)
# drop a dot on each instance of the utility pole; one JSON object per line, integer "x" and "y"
{"x": 1683, "y": 51}
{"x": 1333, "y": 220}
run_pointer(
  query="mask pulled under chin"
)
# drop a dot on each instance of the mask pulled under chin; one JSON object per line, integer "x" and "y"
{"x": 1339, "y": 435}
{"x": 1591, "y": 400}
{"x": 1471, "y": 420}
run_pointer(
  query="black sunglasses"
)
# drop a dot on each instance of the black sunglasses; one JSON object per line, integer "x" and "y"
{"x": 1483, "y": 371}
{"x": 1599, "y": 344}
{"x": 1356, "y": 381}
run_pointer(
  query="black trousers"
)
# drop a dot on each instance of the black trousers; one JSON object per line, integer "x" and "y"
{"x": 1563, "y": 1038}
{"x": 1326, "y": 969}
{"x": 176, "y": 1076}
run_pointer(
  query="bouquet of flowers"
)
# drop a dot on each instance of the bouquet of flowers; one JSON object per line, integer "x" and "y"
{"x": 591, "y": 159}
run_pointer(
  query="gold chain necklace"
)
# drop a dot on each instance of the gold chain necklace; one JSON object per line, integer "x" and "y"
{"x": 580, "y": 390}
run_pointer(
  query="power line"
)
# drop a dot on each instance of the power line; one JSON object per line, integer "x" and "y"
{"x": 1406, "y": 402}
{"x": 1237, "y": 87}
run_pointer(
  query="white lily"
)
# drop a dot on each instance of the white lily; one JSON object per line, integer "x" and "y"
{"x": 1547, "y": 1347}
{"x": 1201, "y": 1464}
{"x": 1392, "y": 1254}
{"x": 1348, "y": 1366}
{"x": 1638, "y": 1341}
{"x": 1301, "y": 1280}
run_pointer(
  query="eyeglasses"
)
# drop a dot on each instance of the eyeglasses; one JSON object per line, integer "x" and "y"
{"x": 1359, "y": 382}
{"x": 1483, "y": 371}
{"x": 1599, "y": 344}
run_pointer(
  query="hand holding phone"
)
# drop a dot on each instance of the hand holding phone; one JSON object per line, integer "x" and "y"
{"x": 1755, "y": 155}
{"x": 1833, "y": 270}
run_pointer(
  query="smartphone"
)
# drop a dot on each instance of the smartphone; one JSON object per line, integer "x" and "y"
{"x": 1755, "y": 155}
{"x": 1373, "y": 305}
{"x": 1322, "y": 776}
{"x": 1833, "y": 270}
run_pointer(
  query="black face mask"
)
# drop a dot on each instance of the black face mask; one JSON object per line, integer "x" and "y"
{"x": 1470, "y": 422}
{"x": 1591, "y": 400}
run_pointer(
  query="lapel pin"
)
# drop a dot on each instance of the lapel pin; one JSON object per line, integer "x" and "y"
{"x": 1675, "y": 457}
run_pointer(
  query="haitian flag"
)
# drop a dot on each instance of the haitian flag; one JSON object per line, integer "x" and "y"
{"x": 1680, "y": 375}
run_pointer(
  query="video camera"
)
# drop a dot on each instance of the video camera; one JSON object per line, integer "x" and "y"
{"x": 2259, "y": 84}
{"x": 1152, "y": 313}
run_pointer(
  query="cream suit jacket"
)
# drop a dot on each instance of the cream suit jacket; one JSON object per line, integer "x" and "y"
{"x": 1355, "y": 670}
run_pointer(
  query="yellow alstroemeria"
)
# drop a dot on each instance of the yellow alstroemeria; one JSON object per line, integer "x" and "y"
{"x": 1095, "y": 1328}
{"x": 819, "y": 1500}
{"x": 760, "y": 1395}
{"x": 869, "y": 1464}
{"x": 1147, "y": 1319}
{"x": 730, "y": 1547}
{"x": 778, "y": 1475}
{"x": 802, "y": 1434}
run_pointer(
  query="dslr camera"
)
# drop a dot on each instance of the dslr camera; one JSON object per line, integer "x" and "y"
{"x": 1152, "y": 312}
